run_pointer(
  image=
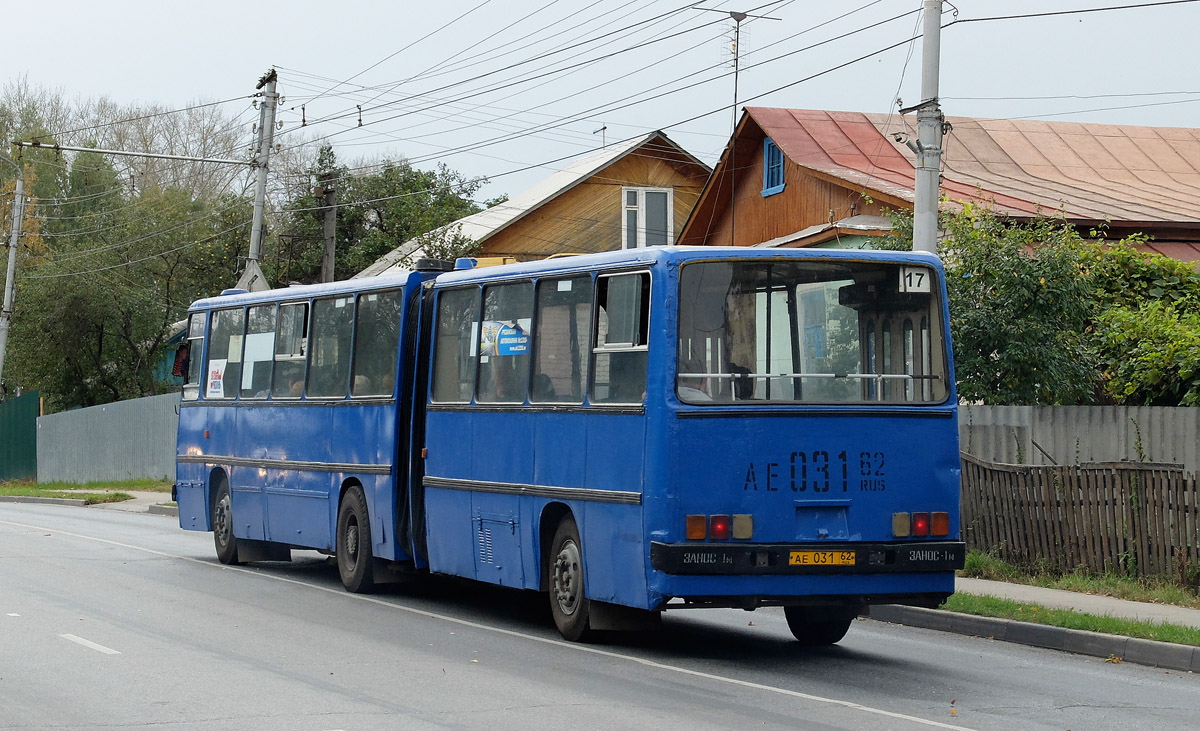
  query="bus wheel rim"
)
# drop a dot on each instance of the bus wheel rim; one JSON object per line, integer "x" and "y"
{"x": 352, "y": 544}
{"x": 567, "y": 577}
{"x": 224, "y": 519}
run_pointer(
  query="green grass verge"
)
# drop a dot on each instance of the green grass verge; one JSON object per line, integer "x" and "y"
{"x": 92, "y": 492}
{"x": 986, "y": 606}
{"x": 1145, "y": 589}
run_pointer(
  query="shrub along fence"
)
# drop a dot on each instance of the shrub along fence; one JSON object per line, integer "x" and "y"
{"x": 1136, "y": 518}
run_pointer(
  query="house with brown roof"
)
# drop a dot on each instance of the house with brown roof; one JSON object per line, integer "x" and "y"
{"x": 631, "y": 194}
{"x": 796, "y": 177}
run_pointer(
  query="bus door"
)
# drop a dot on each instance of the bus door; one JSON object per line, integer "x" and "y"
{"x": 224, "y": 421}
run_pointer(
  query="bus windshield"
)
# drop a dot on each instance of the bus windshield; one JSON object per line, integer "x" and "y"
{"x": 812, "y": 332}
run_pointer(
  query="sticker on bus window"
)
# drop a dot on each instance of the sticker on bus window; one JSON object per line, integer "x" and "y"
{"x": 504, "y": 338}
{"x": 914, "y": 279}
{"x": 216, "y": 379}
{"x": 564, "y": 285}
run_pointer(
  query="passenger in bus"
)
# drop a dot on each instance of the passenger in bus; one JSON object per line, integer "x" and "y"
{"x": 693, "y": 388}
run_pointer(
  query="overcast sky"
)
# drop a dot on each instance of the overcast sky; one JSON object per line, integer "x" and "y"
{"x": 452, "y": 81}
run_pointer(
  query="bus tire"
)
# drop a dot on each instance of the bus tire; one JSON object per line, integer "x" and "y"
{"x": 569, "y": 604}
{"x": 355, "y": 563}
{"x": 222, "y": 525}
{"x": 815, "y": 627}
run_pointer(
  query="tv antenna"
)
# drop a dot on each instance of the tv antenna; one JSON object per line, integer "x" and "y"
{"x": 737, "y": 18}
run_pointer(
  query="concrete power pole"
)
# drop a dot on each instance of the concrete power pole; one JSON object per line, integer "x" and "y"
{"x": 329, "y": 193}
{"x": 252, "y": 279}
{"x": 6, "y": 313}
{"x": 929, "y": 134}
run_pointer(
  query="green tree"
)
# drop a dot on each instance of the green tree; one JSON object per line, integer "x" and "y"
{"x": 96, "y": 311}
{"x": 377, "y": 212}
{"x": 1020, "y": 307}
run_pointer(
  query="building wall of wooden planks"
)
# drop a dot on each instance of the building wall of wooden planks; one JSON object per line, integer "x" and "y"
{"x": 809, "y": 198}
{"x": 1133, "y": 518}
{"x": 587, "y": 218}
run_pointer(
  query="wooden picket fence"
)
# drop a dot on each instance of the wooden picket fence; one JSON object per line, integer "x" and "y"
{"x": 1135, "y": 518}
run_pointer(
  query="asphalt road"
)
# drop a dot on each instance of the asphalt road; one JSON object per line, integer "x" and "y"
{"x": 114, "y": 620}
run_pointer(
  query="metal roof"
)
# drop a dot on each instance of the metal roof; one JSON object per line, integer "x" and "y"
{"x": 1085, "y": 172}
{"x": 481, "y": 226}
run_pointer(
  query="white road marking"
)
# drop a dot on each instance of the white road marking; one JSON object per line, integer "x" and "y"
{"x": 13, "y": 614}
{"x": 511, "y": 633}
{"x": 89, "y": 643}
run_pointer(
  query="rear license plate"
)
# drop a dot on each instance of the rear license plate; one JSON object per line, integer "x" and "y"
{"x": 821, "y": 558}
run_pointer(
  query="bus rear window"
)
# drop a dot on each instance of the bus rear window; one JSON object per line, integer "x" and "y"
{"x": 810, "y": 332}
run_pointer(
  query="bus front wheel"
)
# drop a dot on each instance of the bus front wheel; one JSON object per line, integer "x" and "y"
{"x": 817, "y": 626}
{"x": 568, "y": 603}
{"x": 222, "y": 521}
{"x": 355, "y": 562}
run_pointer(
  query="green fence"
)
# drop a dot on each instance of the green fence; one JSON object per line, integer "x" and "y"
{"x": 18, "y": 437}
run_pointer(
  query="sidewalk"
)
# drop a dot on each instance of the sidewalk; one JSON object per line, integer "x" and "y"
{"x": 1103, "y": 606}
{"x": 142, "y": 502}
{"x": 1143, "y": 652}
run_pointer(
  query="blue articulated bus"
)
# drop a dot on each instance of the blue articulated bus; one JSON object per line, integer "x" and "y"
{"x": 629, "y": 432}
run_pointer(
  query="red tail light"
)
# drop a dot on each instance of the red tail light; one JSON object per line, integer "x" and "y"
{"x": 720, "y": 527}
{"x": 920, "y": 524}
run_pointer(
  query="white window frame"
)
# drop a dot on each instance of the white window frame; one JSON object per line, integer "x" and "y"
{"x": 641, "y": 215}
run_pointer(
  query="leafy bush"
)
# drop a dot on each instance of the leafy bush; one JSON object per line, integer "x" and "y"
{"x": 1152, "y": 355}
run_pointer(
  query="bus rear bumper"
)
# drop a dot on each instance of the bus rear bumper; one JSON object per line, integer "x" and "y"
{"x": 753, "y": 559}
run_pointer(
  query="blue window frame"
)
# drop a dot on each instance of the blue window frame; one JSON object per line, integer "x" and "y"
{"x": 772, "y": 168}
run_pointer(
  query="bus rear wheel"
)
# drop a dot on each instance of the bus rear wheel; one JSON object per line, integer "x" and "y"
{"x": 222, "y": 523}
{"x": 356, "y": 565}
{"x": 815, "y": 627}
{"x": 569, "y": 604}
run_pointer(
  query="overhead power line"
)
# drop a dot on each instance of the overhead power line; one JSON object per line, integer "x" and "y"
{"x": 1078, "y": 11}
{"x": 63, "y": 133}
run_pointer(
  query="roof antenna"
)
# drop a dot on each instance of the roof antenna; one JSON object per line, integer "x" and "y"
{"x": 603, "y": 136}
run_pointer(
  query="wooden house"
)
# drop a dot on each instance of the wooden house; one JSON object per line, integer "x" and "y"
{"x": 636, "y": 193}
{"x": 817, "y": 178}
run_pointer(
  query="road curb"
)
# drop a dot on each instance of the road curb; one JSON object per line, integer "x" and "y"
{"x": 43, "y": 500}
{"x": 164, "y": 510}
{"x": 1081, "y": 642}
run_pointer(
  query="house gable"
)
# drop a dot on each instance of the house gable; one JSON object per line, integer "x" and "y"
{"x": 588, "y": 217}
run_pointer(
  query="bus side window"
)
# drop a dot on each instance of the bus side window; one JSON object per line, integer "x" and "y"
{"x": 621, "y": 336}
{"x": 504, "y": 343}
{"x": 454, "y": 346}
{"x": 329, "y": 356}
{"x": 260, "y": 348}
{"x": 291, "y": 339}
{"x": 561, "y": 341}
{"x": 376, "y": 340}
{"x": 195, "y": 346}
{"x": 224, "y": 368}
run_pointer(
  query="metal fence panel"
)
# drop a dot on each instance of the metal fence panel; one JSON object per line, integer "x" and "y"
{"x": 125, "y": 440}
{"x": 18, "y": 437}
{"x": 1047, "y": 435}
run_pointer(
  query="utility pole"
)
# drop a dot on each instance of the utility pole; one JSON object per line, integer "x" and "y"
{"x": 9, "y": 279}
{"x": 327, "y": 191}
{"x": 252, "y": 279}
{"x": 929, "y": 134}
